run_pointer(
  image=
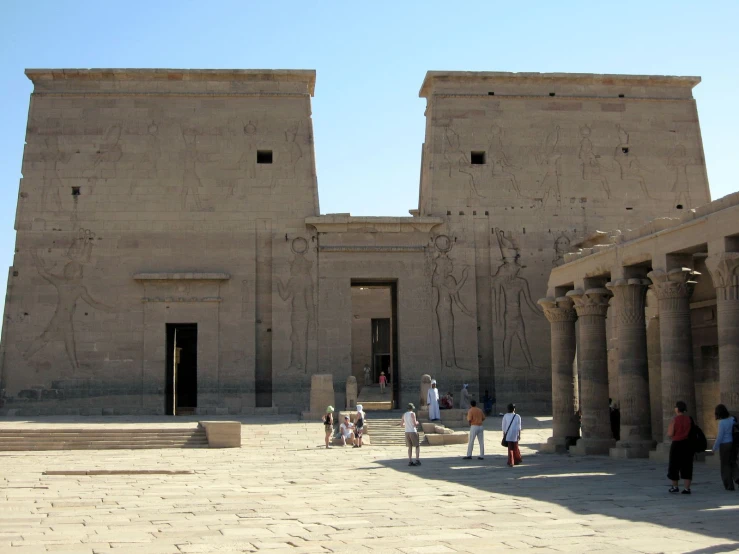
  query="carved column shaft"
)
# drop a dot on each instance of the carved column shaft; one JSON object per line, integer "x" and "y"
{"x": 724, "y": 271}
{"x": 561, "y": 315}
{"x": 591, "y": 307}
{"x": 673, "y": 290}
{"x": 629, "y": 300}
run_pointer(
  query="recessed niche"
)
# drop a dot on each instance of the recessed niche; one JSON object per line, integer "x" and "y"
{"x": 625, "y": 149}
{"x": 264, "y": 156}
{"x": 679, "y": 206}
{"x": 551, "y": 94}
{"x": 477, "y": 158}
{"x": 75, "y": 191}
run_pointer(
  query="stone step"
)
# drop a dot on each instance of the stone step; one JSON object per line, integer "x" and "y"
{"x": 101, "y": 438}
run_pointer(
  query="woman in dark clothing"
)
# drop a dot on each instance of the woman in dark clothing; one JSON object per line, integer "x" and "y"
{"x": 681, "y": 449}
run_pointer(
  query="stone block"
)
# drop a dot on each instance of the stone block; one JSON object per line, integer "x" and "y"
{"x": 222, "y": 434}
{"x": 321, "y": 392}
{"x": 428, "y": 427}
{"x": 351, "y": 392}
{"x": 456, "y": 437}
{"x": 435, "y": 440}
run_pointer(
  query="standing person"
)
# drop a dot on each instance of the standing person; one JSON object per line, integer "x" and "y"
{"x": 487, "y": 403}
{"x": 346, "y": 430}
{"x": 383, "y": 382}
{"x": 411, "y": 435}
{"x": 464, "y": 398}
{"x": 727, "y": 451}
{"x": 681, "y": 449}
{"x": 328, "y": 424}
{"x": 475, "y": 417}
{"x": 359, "y": 419}
{"x": 367, "y": 376}
{"x": 512, "y": 433}
{"x": 432, "y": 399}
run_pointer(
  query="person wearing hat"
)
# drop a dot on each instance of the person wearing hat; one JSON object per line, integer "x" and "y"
{"x": 328, "y": 424}
{"x": 432, "y": 400}
{"x": 346, "y": 430}
{"x": 411, "y": 434}
{"x": 359, "y": 418}
{"x": 383, "y": 382}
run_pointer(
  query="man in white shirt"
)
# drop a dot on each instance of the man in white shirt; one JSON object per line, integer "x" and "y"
{"x": 411, "y": 434}
{"x": 512, "y": 434}
{"x": 346, "y": 430}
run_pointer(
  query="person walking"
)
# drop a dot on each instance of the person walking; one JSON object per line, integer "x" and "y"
{"x": 432, "y": 400}
{"x": 681, "y": 450}
{"x": 475, "y": 417}
{"x": 726, "y": 448}
{"x": 512, "y": 435}
{"x": 328, "y": 425}
{"x": 359, "y": 419}
{"x": 410, "y": 423}
{"x": 383, "y": 382}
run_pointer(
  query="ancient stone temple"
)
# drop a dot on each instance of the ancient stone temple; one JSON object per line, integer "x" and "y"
{"x": 171, "y": 256}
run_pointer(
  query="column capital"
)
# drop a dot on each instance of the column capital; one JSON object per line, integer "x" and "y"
{"x": 724, "y": 270}
{"x": 558, "y": 309}
{"x": 676, "y": 283}
{"x": 629, "y": 297}
{"x": 591, "y": 301}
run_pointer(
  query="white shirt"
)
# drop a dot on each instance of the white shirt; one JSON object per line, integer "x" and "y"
{"x": 346, "y": 429}
{"x": 408, "y": 420}
{"x": 515, "y": 429}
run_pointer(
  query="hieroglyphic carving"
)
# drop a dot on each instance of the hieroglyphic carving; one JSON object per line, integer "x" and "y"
{"x": 447, "y": 290}
{"x": 299, "y": 290}
{"x": 678, "y": 161}
{"x": 508, "y": 289}
{"x": 458, "y": 161}
{"x": 500, "y": 165}
{"x": 591, "y": 164}
{"x": 248, "y": 159}
{"x": 550, "y": 160}
{"x": 628, "y": 161}
{"x": 69, "y": 289}
{"x": 52, "y": 156}
{"x": 561, "y": 247}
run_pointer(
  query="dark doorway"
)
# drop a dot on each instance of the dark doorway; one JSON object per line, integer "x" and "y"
{"x": 381, "y": 353}
{"x": 182, "y": 368}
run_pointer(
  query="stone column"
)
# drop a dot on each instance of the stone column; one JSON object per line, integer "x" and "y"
{"x": 629, "y": 299}
{"x": 591, "y": 307}
{"x": 724, "y": 269}
{"x": 561, "y": 315}
{"x": 673, "y": 289}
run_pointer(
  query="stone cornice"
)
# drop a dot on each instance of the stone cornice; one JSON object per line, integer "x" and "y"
{"x": 590, "y": 302}
{"x": 676, "y": 283}
{"x": 558, "y": 309}
{"x": 343, "y": 223}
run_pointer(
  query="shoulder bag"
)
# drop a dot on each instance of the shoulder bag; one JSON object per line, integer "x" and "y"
{"x": 504, "y": 442}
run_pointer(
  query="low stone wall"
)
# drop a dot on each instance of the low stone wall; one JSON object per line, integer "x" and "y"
{"x": 222, "y": 434}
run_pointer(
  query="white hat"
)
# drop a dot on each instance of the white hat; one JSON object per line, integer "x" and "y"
{"x": 359, "y": 408}
{"x": 433, "y": 381}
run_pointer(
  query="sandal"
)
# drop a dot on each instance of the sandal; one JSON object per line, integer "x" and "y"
{"x": 674, "y": 489}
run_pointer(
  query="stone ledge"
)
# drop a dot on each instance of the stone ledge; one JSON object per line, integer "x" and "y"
{"x": 222, "y": 434}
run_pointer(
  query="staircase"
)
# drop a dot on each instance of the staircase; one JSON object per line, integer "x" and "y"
{"x": 372, "y": 399}
{"x": 101, "y": 438}
{"x": 385, "y": 429}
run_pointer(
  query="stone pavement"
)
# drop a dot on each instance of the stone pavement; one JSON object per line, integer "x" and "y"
{"x": 283, "y": 493}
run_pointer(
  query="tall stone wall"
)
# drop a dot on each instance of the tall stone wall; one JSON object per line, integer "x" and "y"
{"x": 519, "y": 165}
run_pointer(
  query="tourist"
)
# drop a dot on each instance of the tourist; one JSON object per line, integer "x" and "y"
{"x": 446, "y": 402}
{"x": 464, "y": 398}
{"x": 727, "y": 451}
{"x": 487, "y": 403}
{"x": 328, "y": 425}
{"x": 432, "y": 399}
{"x": 359, "y": 419}
{"x": 681, "y": 449}
{"x": 346, "y": 430}
{"x": 367, "y": 376}
{"x": 475, "y": 417}
{"x": 512, "y": 433}
{"x": 383, "y": 382}
{"x": 411, "y": 434}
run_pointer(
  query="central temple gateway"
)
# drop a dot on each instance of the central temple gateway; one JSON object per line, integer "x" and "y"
{"x": 171, "y": 256}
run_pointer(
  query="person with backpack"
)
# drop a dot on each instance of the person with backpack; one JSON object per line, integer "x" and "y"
{"x": 682, "y": 449}
{"x": 728, "y": 433}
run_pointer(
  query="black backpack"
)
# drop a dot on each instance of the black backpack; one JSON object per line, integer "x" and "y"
{"x": 697, "y": 438}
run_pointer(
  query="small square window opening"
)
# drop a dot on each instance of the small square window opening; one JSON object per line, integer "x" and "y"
{"x": 75, "y": 191}
{"x": 477, "y": 158}
{"x": 264, "y": 156}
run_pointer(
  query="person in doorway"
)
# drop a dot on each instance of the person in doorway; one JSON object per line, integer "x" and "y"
{"x": 464, "y": 398}
{"x": 681, "y": 450}
{"x": 726, "y": 448}
{"x": 512, "y": 433}
{"x": 475, "y": 417}
{"x": 410, "y": 423}
{"x": 359, "y": 419}
{"x": 367, "y": 375}
{"x": 328, "y": 425}
{"x": 383, "y": 382}
{"x": 346, "y": 430}
{"x": 432, "y": 399}
{"x": 487, "y": 403}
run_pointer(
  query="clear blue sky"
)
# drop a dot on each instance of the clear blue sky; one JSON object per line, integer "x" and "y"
{"x": 371, "y": 58}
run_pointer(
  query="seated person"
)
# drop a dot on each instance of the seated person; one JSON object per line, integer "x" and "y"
{"x": 346, "y": 430}
{"x": 447, "y": 401}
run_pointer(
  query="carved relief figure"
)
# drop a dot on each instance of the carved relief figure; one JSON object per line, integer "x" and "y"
{"x": 52, "y": 156}
{"x": 299, "y": 290}
{"x": 109, "y": 149}
{"x": 458, "y": 161}
{"x": 591, "y": 166}
{"x": 628, "y": 162}
{"x": 551, "y": 162}
{"x": 498, "y": 160}
{"x": 191, "y": 180}
{"x": 678, "y": 161}
{"x": 69, "y": 289}
{"x": 508, "y": 290}
{"x": 447, "y": 291}
{"x": 561, "y": 247}
{"x": 248, "y": 159}
{"x": 295, "y": 153}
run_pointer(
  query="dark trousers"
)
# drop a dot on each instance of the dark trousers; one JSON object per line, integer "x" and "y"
{"x": 727, "y": 454}
{"x": 681, "y": 461}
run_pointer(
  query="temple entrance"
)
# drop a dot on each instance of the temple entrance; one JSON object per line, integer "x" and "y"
{"x": 375, "y": 342}
{"x": 182, "y": 368}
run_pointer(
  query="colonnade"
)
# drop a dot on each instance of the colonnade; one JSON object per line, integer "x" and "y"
{"x": 580, "y": 317}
